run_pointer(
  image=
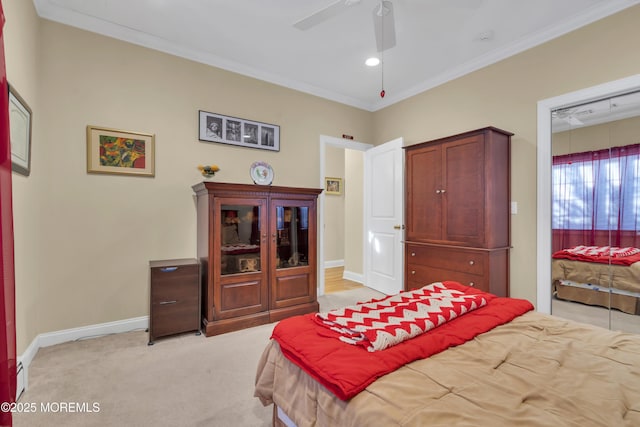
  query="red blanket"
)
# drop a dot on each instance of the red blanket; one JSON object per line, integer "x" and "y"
{"x": 346, "y": 369}
{"x": 600, "y": 254}
{"x": 385, "y": 322}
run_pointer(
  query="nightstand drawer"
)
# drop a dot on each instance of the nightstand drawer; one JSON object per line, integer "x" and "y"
{"x": 174, "y": 297}
{"x": 174, "y": 273}
{"x": 169, "y": 291}
{"x": 173, "y": 318}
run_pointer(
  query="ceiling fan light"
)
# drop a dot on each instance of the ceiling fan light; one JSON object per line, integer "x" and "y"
{"x": 372, "y": 62}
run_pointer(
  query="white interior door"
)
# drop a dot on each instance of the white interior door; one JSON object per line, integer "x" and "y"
{"x": 384, "y": 217}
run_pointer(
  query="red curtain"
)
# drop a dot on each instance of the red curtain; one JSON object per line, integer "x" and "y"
{"x": 596, "y": 198}
{"x": 7, "y": 278}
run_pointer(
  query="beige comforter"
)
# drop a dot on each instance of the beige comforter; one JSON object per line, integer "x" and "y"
{"x": 537, "y": 370}
{"x": 622, "y": 277}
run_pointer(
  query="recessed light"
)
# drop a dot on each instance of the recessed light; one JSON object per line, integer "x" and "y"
{"x": 372, "y": 62}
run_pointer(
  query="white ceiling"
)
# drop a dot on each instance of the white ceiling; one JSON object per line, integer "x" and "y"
{"x": 436, "y": 40}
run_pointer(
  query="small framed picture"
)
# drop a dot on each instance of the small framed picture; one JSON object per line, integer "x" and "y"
{"x": 333, "y": 186}
{"x": 234, "y": 131}
{"x": 114, "y": 151}
{"x": 20, "y": 129}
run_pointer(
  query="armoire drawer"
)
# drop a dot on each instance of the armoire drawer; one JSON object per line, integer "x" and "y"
{"x": 447, "y": 258}
{"x": 419, "y": 276}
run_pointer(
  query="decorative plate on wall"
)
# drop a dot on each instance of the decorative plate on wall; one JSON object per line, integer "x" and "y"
{"x": 261, "y": 173}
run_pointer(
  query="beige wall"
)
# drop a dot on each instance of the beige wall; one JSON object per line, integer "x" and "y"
{"x": 613, "y": 134}
{"x": 334, "y": 206}
{"x": 22, "y": 36}
{"x": 354, "y": 213}
{"x": 505, "y": 95}
{"x": 83, "y": 242}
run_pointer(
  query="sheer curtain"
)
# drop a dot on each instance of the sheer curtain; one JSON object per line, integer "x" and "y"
{"x": 596, "y": 198}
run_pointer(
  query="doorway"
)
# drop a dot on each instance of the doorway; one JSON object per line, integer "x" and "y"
{"x": 331, "y": 143}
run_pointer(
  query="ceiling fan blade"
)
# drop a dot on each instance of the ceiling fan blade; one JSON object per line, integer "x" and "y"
{"x": 324, "y": 14}
{"x": 384, "y": 26}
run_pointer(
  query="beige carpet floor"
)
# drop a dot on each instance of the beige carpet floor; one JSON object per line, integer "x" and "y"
{"x": 186, "y": 380}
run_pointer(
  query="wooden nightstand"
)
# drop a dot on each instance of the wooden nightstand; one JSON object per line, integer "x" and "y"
{"x": 174, "y": 297}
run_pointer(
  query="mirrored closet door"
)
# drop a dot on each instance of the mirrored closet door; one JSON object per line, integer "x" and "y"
{"x": 596, "y": 213}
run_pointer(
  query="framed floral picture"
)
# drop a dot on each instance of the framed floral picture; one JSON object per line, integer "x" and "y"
{"x": 113, "y": 151}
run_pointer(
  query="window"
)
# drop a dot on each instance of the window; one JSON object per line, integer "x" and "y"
{"x": 598, "y": 190}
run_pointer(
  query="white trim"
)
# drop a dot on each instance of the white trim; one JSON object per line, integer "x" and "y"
{"x": 324, "y": 142}
{"x": 354, "y": 277}
{"x": 545, "y": 107}
{"x": 58, "y": 337}
{"x": 84, "y": 332}
{"x": 48, "y": 9}
{"x": 334, "y": 263}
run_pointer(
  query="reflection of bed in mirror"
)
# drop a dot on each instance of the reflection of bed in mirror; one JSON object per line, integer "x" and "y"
{"x": 602, "y": 276}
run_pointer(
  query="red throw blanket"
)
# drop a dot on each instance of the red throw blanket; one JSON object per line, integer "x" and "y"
{"x": 600, "y": 254}
{"x": 346, "y": 369}
{"x": 388, "y": 321}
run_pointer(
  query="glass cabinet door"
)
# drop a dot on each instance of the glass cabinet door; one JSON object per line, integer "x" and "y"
{"x": 292, "y": 236}
{"x": 240, "y": 238}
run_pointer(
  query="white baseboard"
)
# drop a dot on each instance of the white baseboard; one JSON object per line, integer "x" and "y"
{"x": 354, "y": 277}
{"x": 334, "y": 263}
{"x": 58, "y": 337}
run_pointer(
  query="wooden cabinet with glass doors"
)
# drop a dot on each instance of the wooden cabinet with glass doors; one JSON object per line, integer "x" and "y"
{"x": 257, "y": 248}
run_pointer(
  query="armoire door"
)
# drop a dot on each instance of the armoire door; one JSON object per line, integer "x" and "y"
{"x": 462, "y": 191}
{"x": 423, "y": 197}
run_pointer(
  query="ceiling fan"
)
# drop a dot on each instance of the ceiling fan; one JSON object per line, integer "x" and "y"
{"x": 569, "y": 115}
{"x": 383, "y": 20}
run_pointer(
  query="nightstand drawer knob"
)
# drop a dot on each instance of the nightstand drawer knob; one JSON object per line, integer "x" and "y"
{"x": 413, "y": 254}
{"x": 413, "y": 272}
{"x": 471, "y": 284}
{"x": 168, "y": 302}
{"x": 471, "y": 262}
{"x": 168, "y": 269}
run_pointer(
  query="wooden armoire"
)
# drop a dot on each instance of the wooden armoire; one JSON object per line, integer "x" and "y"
{"x": 257, "y": 252}
{"x": 458, "y": 211}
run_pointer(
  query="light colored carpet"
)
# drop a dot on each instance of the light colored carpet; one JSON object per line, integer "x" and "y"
{"x": 186, "y": 380}
{"x": 598, "y": 316}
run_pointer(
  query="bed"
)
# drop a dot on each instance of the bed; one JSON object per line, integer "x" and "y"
{"x": 584, "y": 274}
{"x": 532, "y": 369}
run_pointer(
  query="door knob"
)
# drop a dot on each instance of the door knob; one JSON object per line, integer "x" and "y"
{"x": 398, "y": 227}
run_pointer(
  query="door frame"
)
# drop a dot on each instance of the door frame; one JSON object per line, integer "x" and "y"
{"x": 543, "y": 214}
{"x": 324, "y": 142}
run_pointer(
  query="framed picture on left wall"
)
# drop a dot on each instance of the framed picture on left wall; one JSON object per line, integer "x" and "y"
{"x": 114, "y": 151}
{"x": 20, "y": 130}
